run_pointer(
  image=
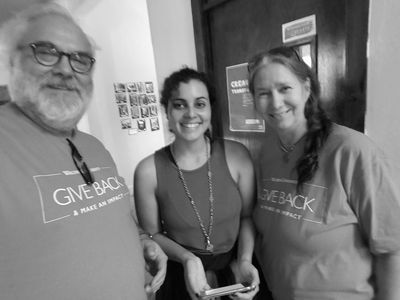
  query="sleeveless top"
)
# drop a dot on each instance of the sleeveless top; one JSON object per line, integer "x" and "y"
{"x": 178, "y": 219}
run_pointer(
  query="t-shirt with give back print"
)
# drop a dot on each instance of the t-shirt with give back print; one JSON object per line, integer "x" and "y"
{"x": 318, "y": 243}
{"x": 61, "y": 238}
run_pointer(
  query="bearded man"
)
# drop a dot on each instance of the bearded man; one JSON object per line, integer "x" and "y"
{"x": 65, "y": 226}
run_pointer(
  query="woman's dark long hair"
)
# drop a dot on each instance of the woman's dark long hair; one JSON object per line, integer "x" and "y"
{"x": 318, "y": 123}
{"x": 184, "y": 75}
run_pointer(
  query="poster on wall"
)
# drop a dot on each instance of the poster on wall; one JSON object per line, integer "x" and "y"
{"x": 242, "y": 113}
{"x": 137, "y": 106}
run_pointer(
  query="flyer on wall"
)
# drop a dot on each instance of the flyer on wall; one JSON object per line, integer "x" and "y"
{"x": 242, "y": 113}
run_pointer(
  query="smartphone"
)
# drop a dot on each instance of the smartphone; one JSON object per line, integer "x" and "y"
{"x": 226, "y": 290}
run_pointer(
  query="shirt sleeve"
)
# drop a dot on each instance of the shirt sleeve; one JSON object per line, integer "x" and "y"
{"x": 375, "y": 197}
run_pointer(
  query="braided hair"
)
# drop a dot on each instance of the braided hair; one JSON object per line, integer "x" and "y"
{"x": 318, "y": 123}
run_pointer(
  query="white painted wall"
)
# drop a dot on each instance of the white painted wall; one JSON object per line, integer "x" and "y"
{"x": 383, "y": 97}
{"x": 172, "y": 34}
{"x": 138, "y": 41}
{"x": 146, "y": 40}
{"x": 122, "y": 32}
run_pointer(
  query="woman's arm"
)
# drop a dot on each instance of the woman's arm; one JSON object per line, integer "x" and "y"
{"x": 388, "y": 276}
{"x": 372, "y": 183}
{"x": 241, "y": 168}
{"x": 147, "y": 209}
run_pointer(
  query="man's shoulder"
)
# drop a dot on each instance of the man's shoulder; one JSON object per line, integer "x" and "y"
{"x": 85, "y": 136}
{"x": 8, "y": 112}
{"x": 91, "y": 146}
{"x": 12, "y": 122}
{"x": 88, "y": 139}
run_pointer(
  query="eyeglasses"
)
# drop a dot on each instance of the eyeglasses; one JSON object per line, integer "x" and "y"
{"x": 288, "y": 52}
{"x": 80, "y": 164}
{"x": 47, "y": 54}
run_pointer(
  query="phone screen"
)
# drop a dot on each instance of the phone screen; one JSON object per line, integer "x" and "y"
{"x": 226, "y": 290}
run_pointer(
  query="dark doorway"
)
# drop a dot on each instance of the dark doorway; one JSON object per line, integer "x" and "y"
{"x": 228, "y": 32}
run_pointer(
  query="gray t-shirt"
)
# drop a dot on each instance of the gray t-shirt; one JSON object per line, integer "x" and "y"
{"x": 319, "y": 244}
{"x": 60, "y": 238}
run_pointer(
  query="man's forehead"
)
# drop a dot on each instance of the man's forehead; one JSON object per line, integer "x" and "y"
{"x": 59, "y": 30}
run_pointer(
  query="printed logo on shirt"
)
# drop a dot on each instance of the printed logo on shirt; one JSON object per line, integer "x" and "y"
{"x": 64, "y": 194}
{"x": 279, "y": 196}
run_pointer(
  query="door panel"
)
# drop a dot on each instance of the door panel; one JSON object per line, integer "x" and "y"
{"x": 229, "y": 32}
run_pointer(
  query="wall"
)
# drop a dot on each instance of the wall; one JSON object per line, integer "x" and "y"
{"x": 137, "y": 41}
{"x": 122, "y": 32}
{"x": 172, "y": 34}
{"x": 383, "y": 105}
{"x": 146, "y": 41}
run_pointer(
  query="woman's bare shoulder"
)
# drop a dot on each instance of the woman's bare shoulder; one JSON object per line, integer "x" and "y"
{"x": 146, "y": 167}
{"x": 235, "y": 149}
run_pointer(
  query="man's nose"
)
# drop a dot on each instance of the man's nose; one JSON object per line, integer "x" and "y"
{"x": 63, "y": 66}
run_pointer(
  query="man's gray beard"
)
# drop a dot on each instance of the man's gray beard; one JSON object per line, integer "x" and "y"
{"x": 54, "y": 110}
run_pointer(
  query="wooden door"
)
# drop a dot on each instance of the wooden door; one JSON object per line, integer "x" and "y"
{"x": 228, "y": 32}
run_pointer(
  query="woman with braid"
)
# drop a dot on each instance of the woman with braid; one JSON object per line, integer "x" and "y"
{"x": 328, "y": 207}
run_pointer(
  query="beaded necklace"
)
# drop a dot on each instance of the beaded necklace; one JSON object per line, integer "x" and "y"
{"x": 287, "y": 149}
{"x": 207, "y": 234}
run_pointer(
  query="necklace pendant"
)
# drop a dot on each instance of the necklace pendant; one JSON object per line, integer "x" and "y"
{"x": 209, "y": 246}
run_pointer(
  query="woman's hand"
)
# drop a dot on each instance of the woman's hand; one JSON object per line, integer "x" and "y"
{"x": 244, "y": 271}
{"x": 195, "y": 277}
